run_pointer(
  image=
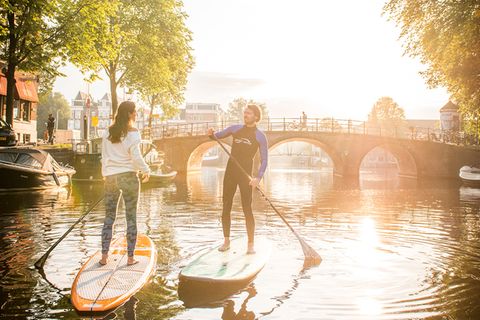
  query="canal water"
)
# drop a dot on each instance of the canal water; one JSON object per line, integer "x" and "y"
{"x": 391, "y": 249}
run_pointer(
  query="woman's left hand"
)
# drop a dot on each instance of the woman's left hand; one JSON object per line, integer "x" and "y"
{"x": 254, "y": 182}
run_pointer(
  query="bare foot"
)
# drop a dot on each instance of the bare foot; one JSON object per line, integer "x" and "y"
{"x": 104, "y": 259}
{"x": 131, "y": 261}
{"x": 225, "y": 246}
{"x": 250, "y": 248}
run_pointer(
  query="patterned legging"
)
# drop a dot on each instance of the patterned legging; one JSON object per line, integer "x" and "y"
{"x": 126, "y": 185}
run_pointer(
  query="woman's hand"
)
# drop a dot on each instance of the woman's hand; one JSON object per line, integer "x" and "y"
{"x": 210, "y": 132}
{"x": 145, "y": 177}
{"x": 254, "y": 182}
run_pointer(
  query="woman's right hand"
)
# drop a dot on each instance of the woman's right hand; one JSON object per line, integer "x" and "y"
{"x": 145, "y": 177}
{"x": 210, "y": 132}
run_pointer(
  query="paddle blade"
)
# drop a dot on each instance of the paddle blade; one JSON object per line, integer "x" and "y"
{"x": 312, "y": 258}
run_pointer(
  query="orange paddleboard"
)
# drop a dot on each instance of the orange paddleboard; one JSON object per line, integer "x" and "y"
{"x": 100, "y": 288}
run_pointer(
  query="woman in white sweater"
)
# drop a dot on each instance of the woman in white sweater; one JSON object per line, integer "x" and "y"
{"x": 121, "y": 162}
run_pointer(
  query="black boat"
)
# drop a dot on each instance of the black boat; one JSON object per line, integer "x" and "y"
{"x": 7, "y": 135}
{"x": 31, "y": 169}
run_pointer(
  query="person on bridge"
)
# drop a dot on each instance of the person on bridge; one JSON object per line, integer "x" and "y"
{"x": 121, "y": 159}
{"x": 303, "y": 121}
{"x": 50, "y": 128}
{"x": 247, "y": 140}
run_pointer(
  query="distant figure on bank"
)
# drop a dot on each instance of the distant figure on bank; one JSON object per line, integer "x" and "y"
{"x": 50, "y": 127}
{"x": 303, "y": 121}
{"x": 247, "y": 140}
{"x": 121, "y": 160}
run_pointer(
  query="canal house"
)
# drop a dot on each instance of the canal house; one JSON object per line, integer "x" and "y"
{"x": 24, "y": 105}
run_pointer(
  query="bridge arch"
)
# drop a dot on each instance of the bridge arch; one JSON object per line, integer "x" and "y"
{"x": 329, "y": 150}
{"x": 406, "y": 162}
{"x": 196, "y": 156}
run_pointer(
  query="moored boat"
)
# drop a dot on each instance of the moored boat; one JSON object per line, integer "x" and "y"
{"x": 31, "y": 169}
{"x": 470, "y": 176}
{"x": 160, "y": 178}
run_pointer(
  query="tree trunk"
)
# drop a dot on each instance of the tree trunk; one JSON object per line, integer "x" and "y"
{"x": 11, "y": 66}
{"x": 10, "y": 93}
{"x": 152, "y": 105}
{"x": 113, "y": 92}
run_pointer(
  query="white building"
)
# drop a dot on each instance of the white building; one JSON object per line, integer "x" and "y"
{"x": 203, "y": 112}
{"x": 87, "y": 112}
{"x": 450, "y": 117}
{"x": 78, "y": 107}
{"x": 104, "y": 108}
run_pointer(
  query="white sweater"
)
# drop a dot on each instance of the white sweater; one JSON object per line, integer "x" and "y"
{"x": 124, "y": 156}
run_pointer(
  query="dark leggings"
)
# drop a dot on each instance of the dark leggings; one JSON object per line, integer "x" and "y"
{"x": 230, "y": 183}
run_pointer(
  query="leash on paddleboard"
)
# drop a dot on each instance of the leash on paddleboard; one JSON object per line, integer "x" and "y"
{"x": 41, "y": 262}
{"x": 311, "y": 256}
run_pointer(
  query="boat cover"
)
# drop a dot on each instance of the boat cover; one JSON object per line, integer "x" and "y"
{"x": 33, "y": 158}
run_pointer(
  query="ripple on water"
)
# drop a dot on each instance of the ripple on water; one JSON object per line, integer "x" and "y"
{"x": 387, "y": 253}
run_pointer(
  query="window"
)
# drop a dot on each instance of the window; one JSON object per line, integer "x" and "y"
{"x": 26, "y": 110}
{"x": 206, "y": 107}
{"x": 16, "y": 109}
{"x": 26, "y": 138}
{"x": 3, "y": 102}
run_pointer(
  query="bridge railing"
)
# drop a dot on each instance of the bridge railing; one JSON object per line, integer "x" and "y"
{"x": 330, "y": 125}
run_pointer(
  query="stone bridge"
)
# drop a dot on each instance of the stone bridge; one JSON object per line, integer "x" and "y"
{"x": 420, "y": 154}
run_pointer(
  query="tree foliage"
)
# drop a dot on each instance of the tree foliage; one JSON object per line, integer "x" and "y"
{"x": 51, "y": 103}
{"x": 445, "y": 35}
{"x": 329, "y": 124}
{"x": 142, "y": 44}
{"x": 32, "y": 37}
{"x": 236, "y": 107}
{"x": 386, "y": 113}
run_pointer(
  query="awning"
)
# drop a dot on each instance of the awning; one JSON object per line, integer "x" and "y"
{"x": 3, "y": 85}
{"x": 26, "y": 90}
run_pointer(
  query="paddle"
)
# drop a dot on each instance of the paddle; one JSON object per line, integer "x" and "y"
{"x": 41, "y": 262}
{"x": 311, "y": 256}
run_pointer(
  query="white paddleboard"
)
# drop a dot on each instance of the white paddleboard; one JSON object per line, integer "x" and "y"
{"x": 218, "y": 273}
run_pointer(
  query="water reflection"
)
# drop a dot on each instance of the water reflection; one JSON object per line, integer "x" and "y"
{"x": 242, "y": 314}
{"x": 390, "y": 250}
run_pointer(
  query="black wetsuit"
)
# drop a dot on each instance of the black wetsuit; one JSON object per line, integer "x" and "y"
{"x": 246, "y": 142}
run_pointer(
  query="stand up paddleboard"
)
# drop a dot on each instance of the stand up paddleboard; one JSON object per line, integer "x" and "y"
{"x": 215, "y": 275}
{"x": 100, "y": 288}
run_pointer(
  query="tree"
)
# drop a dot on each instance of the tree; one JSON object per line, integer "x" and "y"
{"x": 329, "y": 124}
{"x": 386, "y": 113}
{"x": 162, "y": 82}
{"x": 51, "y": 103}
{"x": 445, "y": 35}
{"x": 32, "y": 34}
{"x": 236, "y": 107}
{"x": 135, "y": 37}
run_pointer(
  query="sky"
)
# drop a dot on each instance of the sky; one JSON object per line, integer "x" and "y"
{"x": 327, "y": 58}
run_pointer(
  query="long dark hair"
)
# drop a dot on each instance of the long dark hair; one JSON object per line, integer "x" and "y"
{"x": 121, "y": 124}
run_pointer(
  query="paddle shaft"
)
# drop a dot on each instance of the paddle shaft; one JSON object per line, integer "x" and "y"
{"x": 40, "y": 262}
{"x": 257, "y": 187}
